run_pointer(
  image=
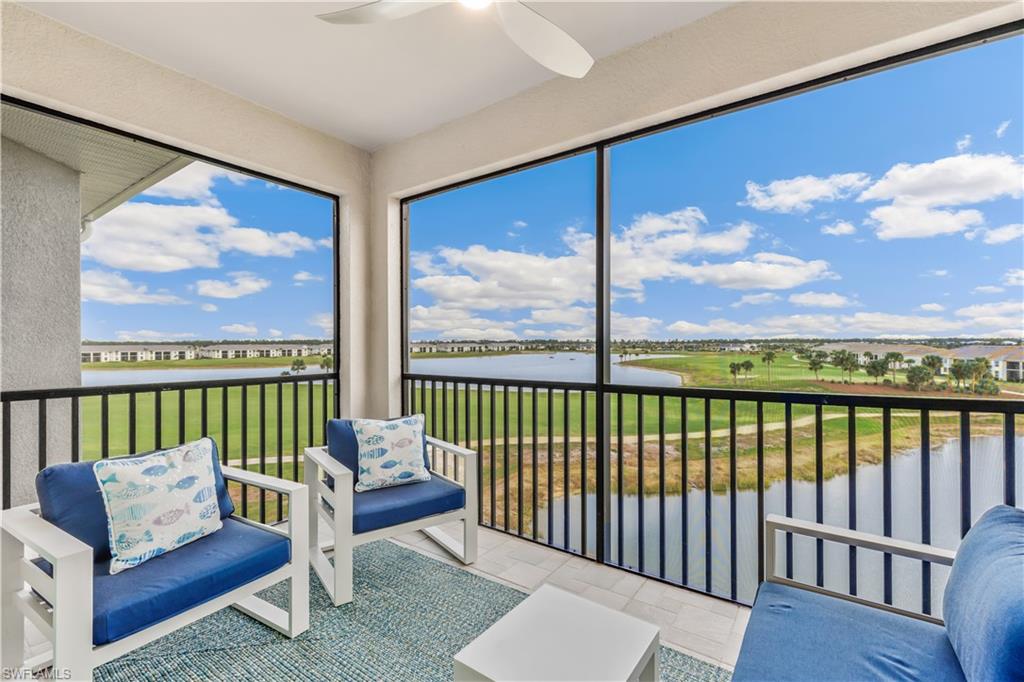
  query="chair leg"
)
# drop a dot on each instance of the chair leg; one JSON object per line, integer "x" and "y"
{"x": 342, "y": 570}
{"x": 12, "y": 622}
{"x": 72, "y": 619}
{"x": 469, "y": 531}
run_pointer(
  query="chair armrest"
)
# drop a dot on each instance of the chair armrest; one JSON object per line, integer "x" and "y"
{"x": 44, "y": 538}
{"x": 258, "y": 480}
{"x": 911, "y": 550}
{"x": 450, "y": 447}
{"x": 328, "y": 464}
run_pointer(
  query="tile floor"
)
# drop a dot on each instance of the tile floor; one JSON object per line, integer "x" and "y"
{"x": 698, "y": 625}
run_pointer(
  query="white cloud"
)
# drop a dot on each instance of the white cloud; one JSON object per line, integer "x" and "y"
{"x": 573, "y": 315}
{"x": 633, "y": 327}
{"x": 195, "y": 182}
{"x": 814, "y": 299}
{"x": 112, "y": 287}
{"x": 238, "y": 328}
{"x": 274, "y": 333}
{"x": 907, "y": 221}
{"x": 839, "y": 228}
{"x": 1001, "y": 130}
{"x": 950, "y": 181}
{"x": 1014, "y": 278}
{"x": 167, "y": 237}
{"x": 798, "y": 194}
{"x": 519, "y": 224}
{"x": 932, "y": 307}
{"x": 755, "y": 299}
{"x": 935, "y": 273}
{"x": 241, "y": 284}
{"x": 301, "y": 277}
{"x": 989, "y": 311}
{"x": 898, "y": 325}
{"x": 987, "y": 289}
{"x": 774, "y": 326}
{"x": 150, "y": 335}
{"x": 208, "y": 308}
{"x": 456, "y": 323}
{"x": 762, "y": 271}
{"x": 325, "y": 322}
{"x": 964, "y": 143}
{"x": 327, "y": 242}
{"x": 999, "y": 235}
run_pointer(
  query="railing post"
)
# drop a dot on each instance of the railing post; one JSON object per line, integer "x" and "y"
{"x": 602, "y": 505}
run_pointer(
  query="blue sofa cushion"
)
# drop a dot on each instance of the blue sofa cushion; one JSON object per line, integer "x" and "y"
{"x": 69, "y": 498}
{"x": 983, "y": 605}
{"x": 343, "y": 446}
{"x": 794, "y": 634}
{"x": 161, "y": 588}
{"x": 387, "y": 507}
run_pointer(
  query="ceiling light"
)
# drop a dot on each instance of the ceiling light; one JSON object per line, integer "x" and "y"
{"x": 476, "y": 4}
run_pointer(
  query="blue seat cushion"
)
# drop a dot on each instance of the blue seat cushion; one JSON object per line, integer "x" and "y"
{"x": 343, "y": 446}
{"x": 983, "y": 604}
{"x": 386, "y": 507}
{"x": 69, "y": 498}
{"x": 161, "y": 588}
{"x": 794, "y": 634}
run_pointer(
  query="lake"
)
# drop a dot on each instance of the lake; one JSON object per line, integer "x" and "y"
{"x": 538, "y": 366}
{"x": 986, "y": 491}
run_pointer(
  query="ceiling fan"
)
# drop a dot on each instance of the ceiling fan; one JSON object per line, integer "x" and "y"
{"x": 546, "y": 43}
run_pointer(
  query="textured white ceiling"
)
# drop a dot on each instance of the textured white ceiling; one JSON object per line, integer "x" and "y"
{"x": 369, "y": 85}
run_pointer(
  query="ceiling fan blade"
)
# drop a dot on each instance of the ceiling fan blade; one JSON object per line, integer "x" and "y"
{"x": 377, "y": 12}
{"x": 547, "y": 44}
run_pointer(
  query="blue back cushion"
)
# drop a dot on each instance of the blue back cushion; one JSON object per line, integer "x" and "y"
{"x": 69, "y": 498}
{"x": 343, "y": 446}
{"x": 984, "y": 598}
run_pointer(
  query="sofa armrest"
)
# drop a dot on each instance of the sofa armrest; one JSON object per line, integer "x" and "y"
{"x": 912, "y": 550}
{"x": 44, "y": 538}
{"x": 454, "y": 449}
{"x": 258, "y": 480}
{"x": 326, "y": 463}
{"x": 775, "y": 524}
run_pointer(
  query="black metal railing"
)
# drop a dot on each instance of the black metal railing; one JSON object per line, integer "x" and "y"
{"x": 260, "y": 424}
{"x": 690, "y": 474}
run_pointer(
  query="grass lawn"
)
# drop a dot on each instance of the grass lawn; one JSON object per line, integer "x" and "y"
{"x": 787, "y": 373}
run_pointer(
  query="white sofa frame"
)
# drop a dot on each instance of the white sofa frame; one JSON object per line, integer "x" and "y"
{"x": 337, "y": 579}
{"x": 65, "y": 618}
{"x": 774, "y": 523}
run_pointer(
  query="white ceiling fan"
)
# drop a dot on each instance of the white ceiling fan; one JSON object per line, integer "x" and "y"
{"x": 546, "y": 43}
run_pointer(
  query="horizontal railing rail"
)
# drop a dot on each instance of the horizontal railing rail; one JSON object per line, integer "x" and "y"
{"x": 258, "y": 423}
{"x": 691, "y": 472}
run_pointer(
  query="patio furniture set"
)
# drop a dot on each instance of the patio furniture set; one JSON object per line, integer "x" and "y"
{"x": 120, "y": 552}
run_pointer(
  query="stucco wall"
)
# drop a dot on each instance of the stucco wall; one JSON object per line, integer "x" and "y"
{"x": 741, "y": 51}
{"x": 40, "y": 319}
{"x": 54, "y": 65}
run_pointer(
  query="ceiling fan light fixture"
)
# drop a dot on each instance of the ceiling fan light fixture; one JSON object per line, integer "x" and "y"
{"x": 476, "y": 4}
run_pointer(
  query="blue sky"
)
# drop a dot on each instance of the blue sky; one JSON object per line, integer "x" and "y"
{"x": 210, "y": 254}
{"x": 890, "y": 205}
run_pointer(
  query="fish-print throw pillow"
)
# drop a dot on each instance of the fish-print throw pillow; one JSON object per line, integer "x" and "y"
{"x": 158, "y": 502}
{"x": 390, "y": 452}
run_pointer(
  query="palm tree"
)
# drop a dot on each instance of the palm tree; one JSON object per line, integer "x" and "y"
{"x": 978, "y": 369}
{"x": 298, "y": 365}
{"x": 959, "y": 371}
{"x": 894, "y": 359}
{"x": 932, "y": 362}
{"x": 768, "y": 358}
{"x": 850, "y": 365}
{"x": 747, "y": 366}
{"x": 816, "y": 365}
{"x": 734, "y": 369}
{"x": 877, "y": 368}
{"x": 326, "y": 362}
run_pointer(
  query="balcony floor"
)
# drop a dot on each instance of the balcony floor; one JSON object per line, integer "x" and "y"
{"x": 697, "y": 625}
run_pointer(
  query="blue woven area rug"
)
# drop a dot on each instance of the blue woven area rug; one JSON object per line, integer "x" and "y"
{"x": 410, "y": 616}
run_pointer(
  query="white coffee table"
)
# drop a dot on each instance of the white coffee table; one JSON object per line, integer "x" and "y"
{"x": 557, "y": 635}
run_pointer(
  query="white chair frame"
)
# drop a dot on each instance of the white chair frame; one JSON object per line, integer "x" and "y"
{"x": 65, "y": 618}
{"x": 774, "y": 523}
{"x": 337, "y": 579}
